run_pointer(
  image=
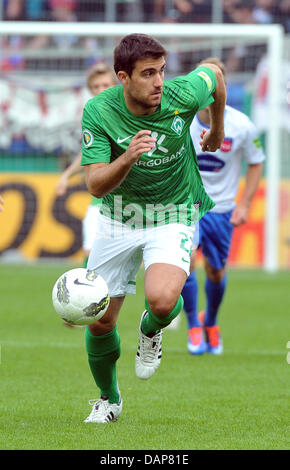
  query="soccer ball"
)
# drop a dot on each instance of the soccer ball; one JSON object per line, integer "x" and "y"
{"x": 80, "y": 296}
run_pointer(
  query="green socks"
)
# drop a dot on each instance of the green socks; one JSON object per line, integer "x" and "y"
{"x": 103, "y": 353}
{"x": 151, "y": 323}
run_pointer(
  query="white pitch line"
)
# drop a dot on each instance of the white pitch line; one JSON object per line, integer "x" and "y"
{"x": 26, "y": 344}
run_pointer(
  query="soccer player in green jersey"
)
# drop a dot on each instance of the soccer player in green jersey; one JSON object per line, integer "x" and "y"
{"x": 139, "y": 157}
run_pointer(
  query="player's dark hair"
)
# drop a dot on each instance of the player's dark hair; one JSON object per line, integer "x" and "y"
{"x": 134, "y": 47}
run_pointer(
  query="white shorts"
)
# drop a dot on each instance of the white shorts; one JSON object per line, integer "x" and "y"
{"x": 89, "y": 226}
{"x": 117, "y": 256}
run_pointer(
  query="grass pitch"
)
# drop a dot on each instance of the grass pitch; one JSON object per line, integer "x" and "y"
{"x": 239, "y": 400}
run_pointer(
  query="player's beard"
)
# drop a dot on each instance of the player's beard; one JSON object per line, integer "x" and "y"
{"x": 142, "y": 102}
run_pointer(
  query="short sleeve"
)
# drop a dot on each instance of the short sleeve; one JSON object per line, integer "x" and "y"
{"x": 96, "y": 147}
{"x": 203, "y": 84}
{"x": 252, "y": 147}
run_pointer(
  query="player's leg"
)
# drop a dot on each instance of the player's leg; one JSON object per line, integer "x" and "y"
{"x": 195, "y": 341}
{"x": 195, "y": 344}
{"x": 215, "y": 250}
{"x": 103, "y": 348}
{"x": 167, "y": 260}
{"x": 190, "y": 294}
{"x": 117, "y": 260}
{"x": 167, "y": 254}
{"x": 163, "y": 285}
{"x": 215, "y": 286}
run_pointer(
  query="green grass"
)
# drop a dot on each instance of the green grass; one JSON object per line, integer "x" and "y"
{"x": 239, "y": 400}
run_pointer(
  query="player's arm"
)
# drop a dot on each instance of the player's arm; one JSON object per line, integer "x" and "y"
{"x": 102, "y": 178}
{"x": 241, "y": 211}
{"x": 253, "y": 154}
{"x": 72, "y": 169}
{"x": 1, "y": 203}
{"x": 212, "y": 139}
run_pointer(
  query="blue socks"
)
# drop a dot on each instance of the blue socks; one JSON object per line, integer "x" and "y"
{"x": 189, "y": 294}
{"x": 214, "y": 294}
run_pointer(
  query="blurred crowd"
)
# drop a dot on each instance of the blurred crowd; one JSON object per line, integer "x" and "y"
{"x": 19, "y": 52}
{"x": 189, "y": 11}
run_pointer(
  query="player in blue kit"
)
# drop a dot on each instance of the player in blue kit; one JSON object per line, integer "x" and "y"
{"x": 220, "y": 172}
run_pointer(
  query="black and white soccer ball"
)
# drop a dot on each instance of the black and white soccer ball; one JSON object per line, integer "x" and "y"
{"x": 80, "y": 296}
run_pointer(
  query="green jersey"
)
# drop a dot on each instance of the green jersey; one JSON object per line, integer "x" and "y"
{"x": 168, "y": 175}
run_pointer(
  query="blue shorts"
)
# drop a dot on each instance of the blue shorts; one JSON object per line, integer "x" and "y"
{"x": 215, "y": 235}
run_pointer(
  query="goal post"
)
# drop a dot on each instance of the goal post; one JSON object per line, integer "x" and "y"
{"x": 217, "y": 34}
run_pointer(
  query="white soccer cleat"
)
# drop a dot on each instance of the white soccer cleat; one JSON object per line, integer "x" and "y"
{"x": 103, "y": 411}
{"x": 149, "y": 353}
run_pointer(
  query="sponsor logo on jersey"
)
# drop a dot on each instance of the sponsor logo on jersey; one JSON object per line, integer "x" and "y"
{"x": 227, "y": 144}
{"x": 158, "y": 145}
{"x": 208, "y": 162}
{"x": 206, "y": 78}
{"x": 88, "y": 138}
{"x": 177, "y": 125}
{"x": 160, "y": 161}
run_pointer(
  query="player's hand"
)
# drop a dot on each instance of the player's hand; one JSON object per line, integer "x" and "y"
{"x": 239, "y": 215}
{"x": 62, "y": 185}
{"x": 142, "y": 142}
{"x": 1, "y": 204}
{"x": 211, "y": 141}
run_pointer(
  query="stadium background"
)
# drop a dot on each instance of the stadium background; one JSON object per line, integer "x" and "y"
{"x": 42, "y": 93}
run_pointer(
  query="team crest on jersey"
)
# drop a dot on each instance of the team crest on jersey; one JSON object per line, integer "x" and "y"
{"x": 177, "y": 125}
{"x": 227, "y": 144}
{"x": 87, "y": 138}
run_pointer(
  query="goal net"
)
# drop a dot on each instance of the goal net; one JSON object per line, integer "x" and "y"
{"x": 42, "y": 94}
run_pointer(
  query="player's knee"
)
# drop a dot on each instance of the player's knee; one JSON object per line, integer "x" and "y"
{"x": 216, "y": 275}
{"x": 161, "y": 305}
